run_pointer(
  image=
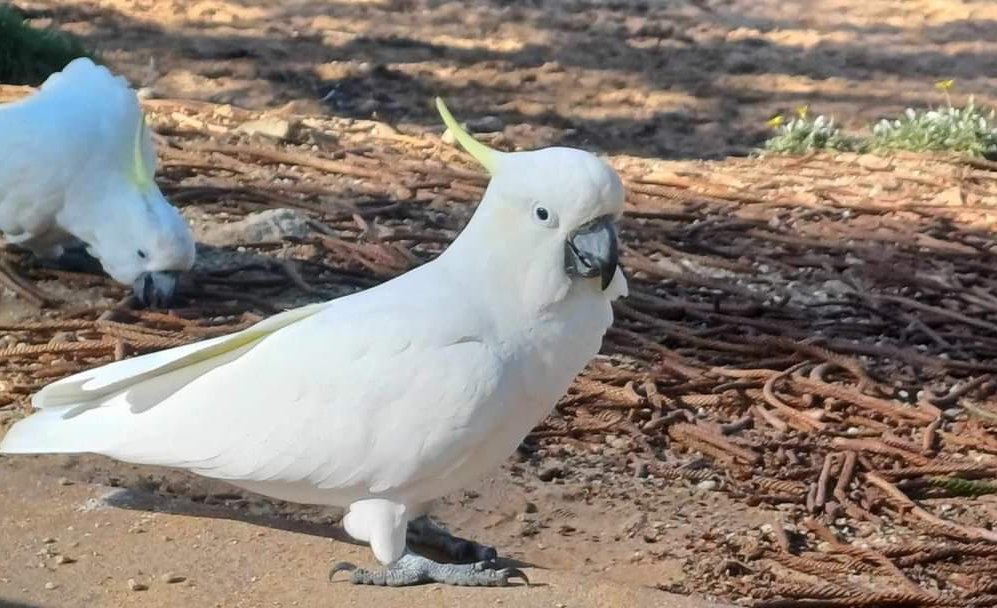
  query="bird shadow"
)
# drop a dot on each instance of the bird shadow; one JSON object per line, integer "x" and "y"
{"x": 10, "y": 604}
{"x": 137, "y": 499}
{"x": 134, "y": 499}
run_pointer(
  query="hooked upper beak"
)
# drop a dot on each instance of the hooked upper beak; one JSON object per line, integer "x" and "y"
{"x": 593, "y": 250}
{"x": 156, "y": 289}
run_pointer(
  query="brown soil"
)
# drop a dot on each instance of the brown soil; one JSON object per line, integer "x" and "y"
{"x": 668, "y": 467}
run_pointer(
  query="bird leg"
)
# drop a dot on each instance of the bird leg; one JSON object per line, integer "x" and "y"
{"x": 414, "y": 569}
{"x": 425, "y": 532}
{"x": 73, "y": 258}
{"x": 76, "y": 259}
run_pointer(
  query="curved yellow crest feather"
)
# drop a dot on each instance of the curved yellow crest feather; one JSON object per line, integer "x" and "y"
{"x": 488, "y": 157}
{"x": 140, "y": 174}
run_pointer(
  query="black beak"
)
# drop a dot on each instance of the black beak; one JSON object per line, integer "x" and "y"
{"x": 593, "y": 251}
{"x": 156, "y": 289}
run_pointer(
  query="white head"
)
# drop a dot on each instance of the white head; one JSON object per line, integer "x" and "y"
{"x": 116, "y": 208}
{"x": 547, "y": 220}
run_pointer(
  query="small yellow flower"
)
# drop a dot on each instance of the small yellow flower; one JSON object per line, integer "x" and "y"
{"x": 945, "y": 85}
{"x": 775, "y": 122}
{"x": 802, "y": 111}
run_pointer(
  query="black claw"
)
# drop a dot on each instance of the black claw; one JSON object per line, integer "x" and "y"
{"x": 511, "y": 573}
{"x": 341, "y": 567}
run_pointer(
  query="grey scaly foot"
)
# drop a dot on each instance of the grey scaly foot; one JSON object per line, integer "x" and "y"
{"x": 425, "y": 532}
{"x": 413, "y": 569}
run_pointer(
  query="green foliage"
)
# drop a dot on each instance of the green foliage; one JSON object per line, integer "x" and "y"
{"x": 29, "y": 55}
{"x": 968, "y": 130}
{"x": 803, "y": 134}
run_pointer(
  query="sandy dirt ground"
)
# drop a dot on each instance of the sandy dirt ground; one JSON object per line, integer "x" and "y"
{"x": 251, "y": 554}
{"x": 616, "y": 500}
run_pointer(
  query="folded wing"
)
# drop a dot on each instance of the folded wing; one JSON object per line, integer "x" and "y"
{"x": 345, "y": 398}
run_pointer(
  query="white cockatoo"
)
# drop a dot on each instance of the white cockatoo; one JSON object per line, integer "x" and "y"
{"x": 382, "y": 401}
{"x": 76, "y": 171}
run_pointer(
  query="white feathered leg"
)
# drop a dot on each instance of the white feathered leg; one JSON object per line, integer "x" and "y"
{"x": 382, "y": 524}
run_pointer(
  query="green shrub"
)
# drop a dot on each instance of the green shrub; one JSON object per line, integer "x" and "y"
{"x": 803, "y": 134}
{"x": 968, "y": 130}
{"x": 29, "y": 55}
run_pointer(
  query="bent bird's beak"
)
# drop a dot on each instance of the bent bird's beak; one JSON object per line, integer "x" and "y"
{"x": 156, "y": 289}
{"x": 593, "y": 250}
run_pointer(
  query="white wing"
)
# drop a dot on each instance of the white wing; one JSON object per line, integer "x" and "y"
{"x": 92, "y": 384}
{"x": 351, "y": 397}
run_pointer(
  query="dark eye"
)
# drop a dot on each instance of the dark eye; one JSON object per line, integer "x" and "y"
{"x": 544, "y": 216}
{"x": 141, "y": 254}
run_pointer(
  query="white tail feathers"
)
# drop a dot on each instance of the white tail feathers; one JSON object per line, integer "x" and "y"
{"x": 64, "y": 422}
{"x": 42, "y": 433}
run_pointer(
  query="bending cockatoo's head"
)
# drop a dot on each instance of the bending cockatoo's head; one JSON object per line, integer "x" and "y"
{"x": 149, "y": 244}
{"x": 552, "y": 212}
{"x": 115, "y": 207}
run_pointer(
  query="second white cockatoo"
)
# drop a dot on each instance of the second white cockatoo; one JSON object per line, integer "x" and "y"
{"x": 76, "y": 174}
{"x": 385, "y": 400}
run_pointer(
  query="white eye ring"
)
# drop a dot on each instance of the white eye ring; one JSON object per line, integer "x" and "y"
{"x": 544, "y": 216}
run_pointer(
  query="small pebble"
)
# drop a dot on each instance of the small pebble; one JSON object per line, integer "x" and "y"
{"x": 65, "y": 482}
{"x": 50, "y": 586}
{"x": 530, "y": 507}
{"x": 707, "y": 485}
{"x": 169, "y": 578}
{"x": 134, "y": 585}
{"x": 549, "y": 473}
{"x": 48, "y": 541}
{"x": 64, "y": 559}
{"x": 529, "y": 528}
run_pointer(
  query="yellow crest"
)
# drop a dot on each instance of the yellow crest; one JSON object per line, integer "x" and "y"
{"x": 139, "y": 173}
{"x": 488, "y": 157}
